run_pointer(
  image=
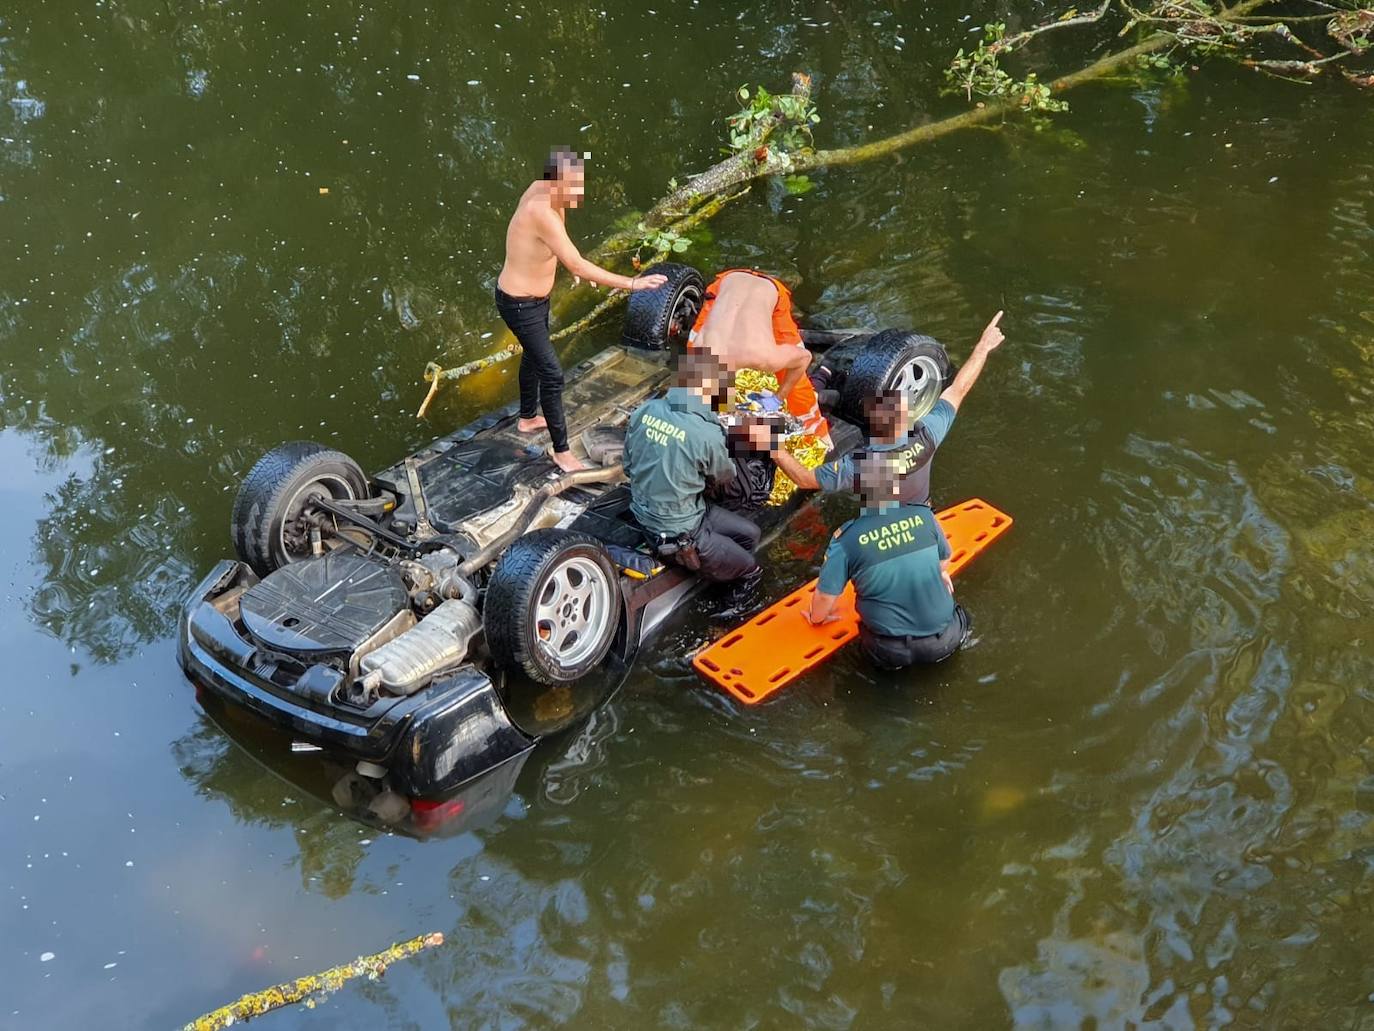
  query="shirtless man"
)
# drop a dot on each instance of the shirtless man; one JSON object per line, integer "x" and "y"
{"x": 747, "y": 323}
{"x": 536, "y": 241}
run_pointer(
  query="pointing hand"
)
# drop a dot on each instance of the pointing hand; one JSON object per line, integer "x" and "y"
{"x": 992, "y": 336}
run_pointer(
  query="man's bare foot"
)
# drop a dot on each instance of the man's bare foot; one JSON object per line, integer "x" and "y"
{"x": 567, "y": 461}
{"x": 531, "y": 425}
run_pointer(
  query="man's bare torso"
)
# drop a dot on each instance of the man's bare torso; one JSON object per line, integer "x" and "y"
{"x": 739, "y": 329}
{"x": 530, "y": 264}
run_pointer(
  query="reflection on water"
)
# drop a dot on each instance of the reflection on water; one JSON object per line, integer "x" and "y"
{"x": 1142, "y": 798}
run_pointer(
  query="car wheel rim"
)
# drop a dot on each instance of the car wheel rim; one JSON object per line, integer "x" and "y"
{"x": 684, "y": 315}
{"x": 571, "y": 611}
{"x": 294, "y": 536}
{"x": 922, "y": 382}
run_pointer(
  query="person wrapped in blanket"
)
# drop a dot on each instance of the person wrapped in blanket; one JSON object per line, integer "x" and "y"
{"x": 750, "y": 439}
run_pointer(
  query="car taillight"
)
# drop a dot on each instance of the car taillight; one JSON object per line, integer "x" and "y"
{"x": 429, "y": 815}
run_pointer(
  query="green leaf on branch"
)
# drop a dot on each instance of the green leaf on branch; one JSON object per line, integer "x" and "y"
{"x": 661, "y": 241}
{"x": 798, "y": 184}
{"x": 979, "y": 73}
{"x": 790, "y": 116}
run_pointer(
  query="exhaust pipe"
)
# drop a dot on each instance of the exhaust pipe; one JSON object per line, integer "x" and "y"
{"x": 607, "y": 474}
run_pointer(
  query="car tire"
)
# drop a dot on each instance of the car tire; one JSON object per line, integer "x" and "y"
{"x": 266, "y": 524}
{"x": 660, "y": 320}
{"x": 890, "y": 359}
{"x": 552, "y": 606}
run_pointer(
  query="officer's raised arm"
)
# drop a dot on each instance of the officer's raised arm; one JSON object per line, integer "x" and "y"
{"x": 968, "y": 375}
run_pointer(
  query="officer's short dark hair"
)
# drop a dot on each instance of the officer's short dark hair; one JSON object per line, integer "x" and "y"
{"x": 562, "y": 160}
{"x": 884, "y": 412}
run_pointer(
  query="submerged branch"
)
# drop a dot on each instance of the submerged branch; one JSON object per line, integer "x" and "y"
{"x": 308, "y": 988}
{"x": 1288, "y": 70}
{"x": 739, "y": 168}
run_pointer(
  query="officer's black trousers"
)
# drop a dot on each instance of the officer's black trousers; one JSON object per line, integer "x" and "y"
{"x": 887, "y": 652}
{"x": 725, "y": 544}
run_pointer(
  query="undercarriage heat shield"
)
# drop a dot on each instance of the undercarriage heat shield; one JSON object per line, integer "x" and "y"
{"x": 328, "y": 605}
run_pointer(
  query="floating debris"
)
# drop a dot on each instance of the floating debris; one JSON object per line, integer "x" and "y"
{"x": 310, "y": 989}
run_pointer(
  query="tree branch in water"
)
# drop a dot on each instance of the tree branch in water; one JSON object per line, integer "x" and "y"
{"x": 1189, "y": 24}
{"x": 308, "y": 989}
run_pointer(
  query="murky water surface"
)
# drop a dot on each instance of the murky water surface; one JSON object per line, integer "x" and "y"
{"x": 1142, "y": 798}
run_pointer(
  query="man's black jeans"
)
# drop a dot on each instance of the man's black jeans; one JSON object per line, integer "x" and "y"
{"x": 900, "y": 652}
{"x": 541, "y": 377}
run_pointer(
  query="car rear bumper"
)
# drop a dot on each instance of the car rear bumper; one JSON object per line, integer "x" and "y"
{"x": 430, "y": 742}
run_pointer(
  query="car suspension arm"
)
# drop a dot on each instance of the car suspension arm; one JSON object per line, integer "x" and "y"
{"x": 357, "y": 519}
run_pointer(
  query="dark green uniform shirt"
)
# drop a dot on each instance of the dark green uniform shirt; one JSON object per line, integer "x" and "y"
{"x": 673, "y": 445}
{"x": 912, "y": 456}
{"x": 893, "y": 558}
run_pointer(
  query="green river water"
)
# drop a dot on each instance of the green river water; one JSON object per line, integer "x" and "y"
{"x": 1141, "y": 798}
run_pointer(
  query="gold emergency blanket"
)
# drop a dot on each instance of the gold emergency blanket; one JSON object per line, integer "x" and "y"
{"x": 804, "y": 447}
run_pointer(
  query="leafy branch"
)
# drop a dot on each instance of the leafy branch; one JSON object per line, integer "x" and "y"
{"x": 659, "y": 242}
{"x": 787, "y": 116}
{"x": 979, "y": 72}
{"x": 1194, "y": 25}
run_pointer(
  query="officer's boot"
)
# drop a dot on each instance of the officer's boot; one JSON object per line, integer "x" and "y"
{"x": 741, "y": 601}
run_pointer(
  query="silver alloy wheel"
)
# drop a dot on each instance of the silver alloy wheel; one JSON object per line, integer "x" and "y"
{"x": 922, "y": 382}
{"x": 573, "y": 611}
{"x": 336, "y": 488}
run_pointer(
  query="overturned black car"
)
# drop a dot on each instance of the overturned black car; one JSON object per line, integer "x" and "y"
{"x": 429, "y": 624}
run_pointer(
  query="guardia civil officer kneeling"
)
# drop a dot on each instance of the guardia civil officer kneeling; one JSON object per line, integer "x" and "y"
{"x": 897, "y": 557}
{"x": 674, "y": 448}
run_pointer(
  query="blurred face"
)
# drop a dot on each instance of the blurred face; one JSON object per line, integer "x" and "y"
{"x": 760, "y": 436}
{"x": 889, "y": 415}
{"x": 880, "y": 480}
{"x": 571, "y": 185}
{"x": 717, "y": 385}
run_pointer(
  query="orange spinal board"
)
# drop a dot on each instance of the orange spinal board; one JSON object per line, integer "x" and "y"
{"x": 780, "y": 644}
